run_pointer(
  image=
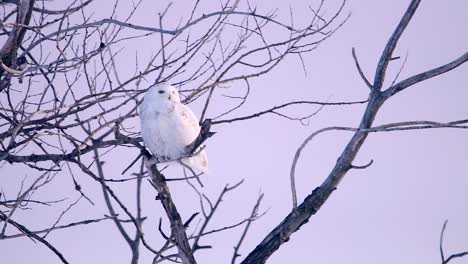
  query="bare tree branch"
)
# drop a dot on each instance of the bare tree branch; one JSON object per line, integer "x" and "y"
{"x": 441, "y": 242}
{"x": 72, "y": 78}
{"x": 58, "y": 227}
{"x": 246, "y": 229}
{"x": 9, "y": 49}
{"x": 34, "y": 236}
{"x": 177, "y": 226}
{"x": 425, "y": 75}
{"x": 358, "y": 66}
{"x": 391, "y": 44}
{"x": 313, "y": 202}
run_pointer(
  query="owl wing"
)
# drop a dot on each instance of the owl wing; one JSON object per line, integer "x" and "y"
{"x": 152, "y": 132}
{"x": 191, "y": 131}
{"x": 189, "y": 123}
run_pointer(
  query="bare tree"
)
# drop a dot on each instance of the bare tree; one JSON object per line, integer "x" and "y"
{"x": 69, "y": 105}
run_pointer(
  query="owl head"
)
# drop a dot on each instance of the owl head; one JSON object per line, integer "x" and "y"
{"x": 164, "y": 92}
{"x": 161, "y": 98}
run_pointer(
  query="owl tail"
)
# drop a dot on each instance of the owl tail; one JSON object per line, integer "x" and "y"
{"x": 199, "y": 162}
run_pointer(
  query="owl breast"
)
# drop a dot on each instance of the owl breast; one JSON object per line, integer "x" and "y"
{"x": 165, "y": 134}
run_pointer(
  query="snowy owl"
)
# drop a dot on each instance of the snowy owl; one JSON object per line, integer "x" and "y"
{"x": 168, "y": 126}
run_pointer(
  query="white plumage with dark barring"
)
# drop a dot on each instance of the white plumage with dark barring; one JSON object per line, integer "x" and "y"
{"x": 168, "y": 126}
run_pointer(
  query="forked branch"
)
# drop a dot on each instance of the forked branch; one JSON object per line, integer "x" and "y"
{"x": 313, "y": 202}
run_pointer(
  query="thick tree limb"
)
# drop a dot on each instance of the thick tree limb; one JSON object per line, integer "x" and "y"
{"x": 9, "y": 49}
{"x": 177, "y": 225}
{"x": 313, "y": 202}
{"x": 67, "y": 156}
{"x": 391, "y": 44}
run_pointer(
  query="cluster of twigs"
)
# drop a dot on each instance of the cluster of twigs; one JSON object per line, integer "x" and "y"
{"x": 68, "y": 102}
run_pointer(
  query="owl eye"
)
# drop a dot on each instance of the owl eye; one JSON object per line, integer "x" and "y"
{"x": 161, "y": 91}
